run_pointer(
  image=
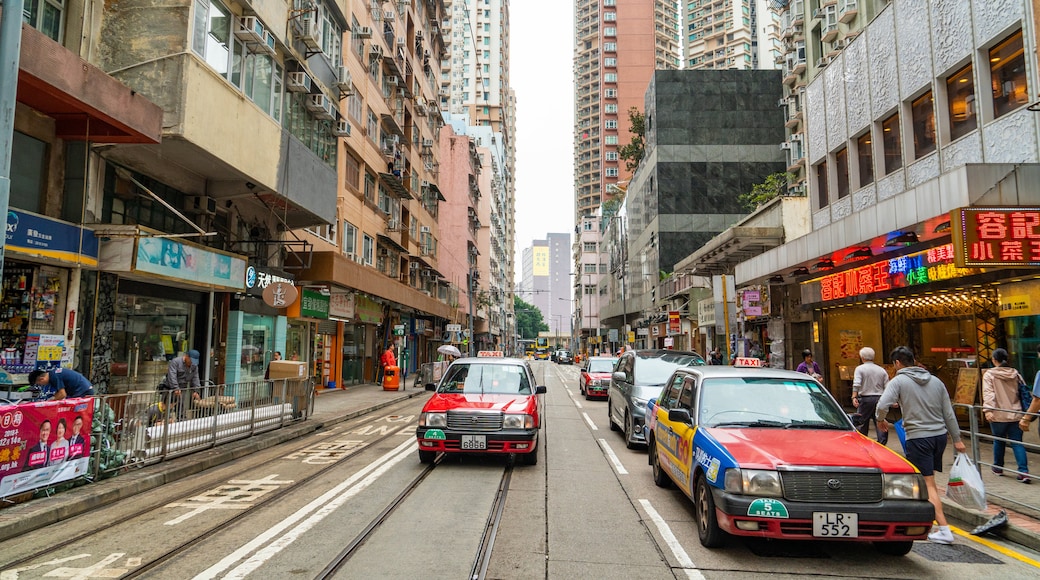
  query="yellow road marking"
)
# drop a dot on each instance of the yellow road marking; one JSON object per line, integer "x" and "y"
{"x": 994, "y": 546}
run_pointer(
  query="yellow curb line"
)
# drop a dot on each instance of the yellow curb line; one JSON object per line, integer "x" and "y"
{"x": 993, "y": 546}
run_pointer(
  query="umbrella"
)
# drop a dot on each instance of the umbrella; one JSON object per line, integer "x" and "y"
{"x": 449, "y": 350}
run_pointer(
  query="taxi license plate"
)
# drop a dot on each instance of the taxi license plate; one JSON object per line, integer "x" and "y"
{"x": 835, "y": 525}
{"x": 474, "y": 442}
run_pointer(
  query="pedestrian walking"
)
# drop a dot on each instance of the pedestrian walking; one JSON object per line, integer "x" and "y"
{"x": 809, "y": 366}
{"x": 928, "y": 420}
{"x": 1000, "y": 403}
{"x": 1034, "y": 406}
{"x": 868, "y": 383}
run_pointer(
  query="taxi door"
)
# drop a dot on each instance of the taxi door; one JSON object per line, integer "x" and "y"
{"x": 684, "y": 433}
{"x": 672, "y": 440}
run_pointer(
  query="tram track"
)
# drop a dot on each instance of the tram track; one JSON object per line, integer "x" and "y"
{"x": 268, "y": 499}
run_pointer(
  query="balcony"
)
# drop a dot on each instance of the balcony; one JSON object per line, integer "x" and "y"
{"x": 847, "y": 10}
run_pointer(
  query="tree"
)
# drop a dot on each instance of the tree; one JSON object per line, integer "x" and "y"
{"x": 528, "y": 319}
{"x": 773, "y": 186}
{"x": 633, "y": 152}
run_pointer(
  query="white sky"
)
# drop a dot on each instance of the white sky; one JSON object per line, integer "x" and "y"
{"x": 541, "y": 57}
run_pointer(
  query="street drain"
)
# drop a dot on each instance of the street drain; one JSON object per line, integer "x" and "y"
{"x": 953, "y": 553}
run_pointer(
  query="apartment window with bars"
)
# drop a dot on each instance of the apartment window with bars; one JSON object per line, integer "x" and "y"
{"x": 609, "y": 47}
{"x": 922, "y": 113}
{"x": 610, "y": 139}
{"x": 609, "y": 31}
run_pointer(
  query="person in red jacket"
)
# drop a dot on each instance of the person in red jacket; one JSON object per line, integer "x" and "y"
{"x": 388, "y": 359}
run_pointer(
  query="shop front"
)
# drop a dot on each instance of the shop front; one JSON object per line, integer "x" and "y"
{"x": 44, "y": 265}
{"x": 159, "y": 297}
{"x": 754, "y": 310}
{"x": 343, "y": 310}
{"x": 257, "y": 326}
{"x": 310, "y": 324}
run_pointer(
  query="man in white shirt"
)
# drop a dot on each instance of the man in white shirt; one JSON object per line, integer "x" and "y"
{"x": 868, "y": 384}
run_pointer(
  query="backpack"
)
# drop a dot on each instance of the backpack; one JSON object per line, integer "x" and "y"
{"x": 1025, "y": 394}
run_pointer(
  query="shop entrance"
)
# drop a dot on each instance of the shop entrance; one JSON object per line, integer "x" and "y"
{"x": 353, "y": 354}
{"x": 257, "y": 346}
{"x": 945, "y": 345}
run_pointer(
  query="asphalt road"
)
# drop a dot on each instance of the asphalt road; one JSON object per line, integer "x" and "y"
{"x": 589, "y": 509}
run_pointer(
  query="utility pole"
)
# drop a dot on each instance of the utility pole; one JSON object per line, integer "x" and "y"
{"x": 10, "y": 53}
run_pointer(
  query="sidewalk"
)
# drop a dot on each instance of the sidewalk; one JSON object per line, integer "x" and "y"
{"x": 331, "y": 406}
{"x": 1002, "y": 492}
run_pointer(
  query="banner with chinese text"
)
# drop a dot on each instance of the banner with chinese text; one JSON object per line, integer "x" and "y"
{"x": 44, "y": 443}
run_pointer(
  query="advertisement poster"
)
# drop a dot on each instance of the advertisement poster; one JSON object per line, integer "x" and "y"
{"x": 44, "y": 443}
{"x": 850, "y": 343}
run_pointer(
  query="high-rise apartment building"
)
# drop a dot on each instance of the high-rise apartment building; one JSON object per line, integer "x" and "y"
{"x": 731, "y": 34}
{"x": 545, "y": 281}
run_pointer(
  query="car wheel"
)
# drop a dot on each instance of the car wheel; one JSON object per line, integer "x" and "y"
{"x": 629, "y": 432}
{"x": 894, "y": 548}
{"x": 532, "y": 457}
{"x": 610, "y": 417}
{"x": 660, "y": 477}
{"x": 427, "y": 456}
{"x": 708, "y": 530}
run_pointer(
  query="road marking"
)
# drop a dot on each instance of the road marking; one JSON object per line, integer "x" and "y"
{"x": 673, "y": 543}
{"x": 230, "y": 560}
{"x": 576, "y": 403}
{"x": 327, "y": 452}
{"x": 994, "y": 546}
{"x": 236, "y": 494}
{"x": 612, "y": 457}
{"x": 13, "y": 574}
{"x": 589, "y": 421}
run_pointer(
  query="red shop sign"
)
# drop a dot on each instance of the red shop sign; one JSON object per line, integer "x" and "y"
{"x": 996, "y": 236}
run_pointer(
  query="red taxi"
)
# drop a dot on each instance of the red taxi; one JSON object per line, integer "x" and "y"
{"x": 486, "y": 404}
{"x": 595, "y": 376}
{"x": 770, "y": 453}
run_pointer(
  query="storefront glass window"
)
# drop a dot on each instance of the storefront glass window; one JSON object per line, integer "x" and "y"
{"x": 297, "y": 343}
{"x": 257, "y": 346}
{"x": 353, "y": 354}
{"x": 146, "y": 334}
{"x": 1008, "y": 73}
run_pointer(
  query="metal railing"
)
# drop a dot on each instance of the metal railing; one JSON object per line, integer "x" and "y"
{"x": 979, "y": 434}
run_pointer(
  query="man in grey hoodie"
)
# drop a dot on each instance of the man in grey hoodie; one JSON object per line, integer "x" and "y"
{"x": 928, "y": 419}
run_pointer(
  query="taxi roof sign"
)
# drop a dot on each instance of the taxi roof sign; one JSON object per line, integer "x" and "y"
{"x": 747, "y": 362}
{"x": 490, "y": 354}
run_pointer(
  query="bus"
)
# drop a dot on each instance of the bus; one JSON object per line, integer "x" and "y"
{"x": 527, "y": 345}
{"x": 541, "y": 348}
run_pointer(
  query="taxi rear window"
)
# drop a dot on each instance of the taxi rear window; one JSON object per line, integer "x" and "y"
{"x": 486, "y": 379}
{"x": 768, "y": 402}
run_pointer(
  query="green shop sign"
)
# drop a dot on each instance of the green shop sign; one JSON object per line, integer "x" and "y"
{"x": 314, "y": 304}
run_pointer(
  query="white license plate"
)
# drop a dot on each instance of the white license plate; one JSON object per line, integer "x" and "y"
{"x": 835, "y": 525}
{"x": 474, "y": 442}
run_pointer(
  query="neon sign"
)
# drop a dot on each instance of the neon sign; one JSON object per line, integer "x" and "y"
{"x": 932, "y": 265}
{"x": 996, "y": 236}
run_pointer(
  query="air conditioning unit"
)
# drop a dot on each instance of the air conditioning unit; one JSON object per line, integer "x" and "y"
{"x": 414, "y": 265}
{"x": 201, "y": 205}
{"x": 839, "y": 44}
{"x": 796, "y": 190}
{"x": 310, "y": 34}
{"x": 299, "y": 82}
{"x": 781, "y": 102}
{"x": 364, "y": 32}
{"x": 420, "y": 108}
{"x": 401, "y": 41}
{"x": 427, "y": 142}
{"x": 321, "y": 106}
{"x": 392, "y": 79}
{"x": 392, "y": 225}
{"x": 785, "y": 146}
{"x": 375, "y": 51}
{"x": 343, "y": 80}
{"x": 341, "y": 129}
{"x": 425, "y": 183}
{"x": 822, "y": 62}
{"x": 424, "y": 229}
{"x": 388, "y": 16}
{"x": 250, "y": 29}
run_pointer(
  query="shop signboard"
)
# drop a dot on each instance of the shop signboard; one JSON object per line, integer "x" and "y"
{"x": 368, "y": 310}
{"x": 752, "y": 302}
{"x": 44, "y": 443}
{"x": 40, "y": 236}
{"x": 314, "y": 304}
{"x": 181, "y": 261}
{"x": 706, "y": 313}
{"x": 280, "y": 294}
{"x": 1023, "y": 305}
{"x": 341, "y": 305}
{"x": 674, "y": 324}
{"x": 612, "y": 335}
{"x": 258, "y": 279}
{"x": 996, "y": 236}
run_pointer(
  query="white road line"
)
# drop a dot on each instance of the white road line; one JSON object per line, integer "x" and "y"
{"x": 673, "y": 543}
{"x": 576, "y": 403}
{"x": 230, "y": 560}
{"x": 589, "y": 421}
{"x": 612, "y": 457}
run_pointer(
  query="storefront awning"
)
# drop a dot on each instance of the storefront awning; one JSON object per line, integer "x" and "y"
{"x": 723, "y": 252}
{"x": 396, "y": 186}
{"x": 437, "y": 190}
{"x": 86, "y": 103}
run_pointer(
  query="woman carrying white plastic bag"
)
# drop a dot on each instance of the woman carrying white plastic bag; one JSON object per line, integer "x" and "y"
{"x": 965, "y": 484}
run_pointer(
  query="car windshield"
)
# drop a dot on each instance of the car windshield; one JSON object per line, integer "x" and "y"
{"x": 655, "y": 369}
{"x": 604, "y": 365}
{"x": 479, "y": 378}
{"x": 769, "y": 402}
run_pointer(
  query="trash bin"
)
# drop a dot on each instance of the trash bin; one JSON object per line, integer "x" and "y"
{"x": 391, "y": 378}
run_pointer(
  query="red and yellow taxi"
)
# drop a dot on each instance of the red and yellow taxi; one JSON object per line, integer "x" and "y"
{"x": 595, "y": 376}
{"x": 770, "y": 453}
{"x": 485, "y": 404}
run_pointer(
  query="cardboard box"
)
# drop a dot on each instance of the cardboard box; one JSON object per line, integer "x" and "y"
{"x": 287, "y": 369}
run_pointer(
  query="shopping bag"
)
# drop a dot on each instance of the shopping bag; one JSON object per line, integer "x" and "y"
{"x": 965, "y": 485}
{"x": 901, "y": 433}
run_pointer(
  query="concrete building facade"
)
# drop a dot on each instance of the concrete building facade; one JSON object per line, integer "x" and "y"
{"x": 731, "y": 34}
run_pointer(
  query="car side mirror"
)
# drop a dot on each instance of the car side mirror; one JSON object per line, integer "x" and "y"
{"x": 680, "y": 416}
{"x": 539, "y": 390}
{"x": 618, "y": 376}
{"x": 431, "y": 386}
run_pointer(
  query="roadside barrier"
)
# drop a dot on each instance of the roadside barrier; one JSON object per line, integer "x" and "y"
{"x": 981, "y": 447}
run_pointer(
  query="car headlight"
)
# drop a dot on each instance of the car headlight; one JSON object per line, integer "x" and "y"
{"x": 904, "y": 486}
{"x": 433, "y": 420}
{"x": 758, "y": 482}
{"x": 517, "y": 421}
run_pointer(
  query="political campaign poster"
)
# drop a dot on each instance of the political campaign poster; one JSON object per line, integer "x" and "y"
{"x": 44, "y": 443}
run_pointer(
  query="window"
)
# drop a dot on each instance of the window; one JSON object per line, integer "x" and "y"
{"x": 351, "y": 171}
{"x": 326, "y": 232}
{"x": 370, "y": 188}
{"x": 611, "y": 93}
{"x": 588, "y": 247}
{"x": 372, "y": 128}
{"x": 349, "y": 239}
{"x": 588, "y": 268}
{"x": 960, "y": 92}
{"x": 922, "y": 112}
{"x": 356, "y": 42}
{"x": 612, "y": 155}
{"x": 610, "y": 78}
{"x": 211, "y": 38}
{"x": 1007, "y": 67}
{"x": 609, "y": 47}
{"x": 866, "y": 160}
{"x": 29, "y": 162}
{"x": 610, "y": 139}
{"x": 611, "y": 124}
{"x": 262, "y": 78}
{"x": 610, "y": 2}
{"x": 612, "y": 172}
{"x": 610, "y": 16}
{"x": 890, "y": 138}
{"x": 354, "y": 107}
{"x": 367, "y": 249}
{"x": 841, "y": 163}
{"x": 610, "y": 62}
{"x": 610, "y": 108}
{"x": 609, "y": 31}
{"x": 45, "y": 16}
{"x": 821, "y": 184}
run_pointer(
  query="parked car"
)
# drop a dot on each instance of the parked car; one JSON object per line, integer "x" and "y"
{"x": 769, "y": 453}
{"x": 564, "y": 357}
{"x": 595, "y": 376}
{"x": 638, "y": 375}
{"x": 482, "y": 405}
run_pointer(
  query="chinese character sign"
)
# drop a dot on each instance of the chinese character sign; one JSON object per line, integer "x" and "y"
{"x": 44, "y": 443}
{"x": 932, "y": 265}
{"x": 996, "y": 236}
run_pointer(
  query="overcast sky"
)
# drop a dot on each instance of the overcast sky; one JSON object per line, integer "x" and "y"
{"x": 541, "y": 56}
